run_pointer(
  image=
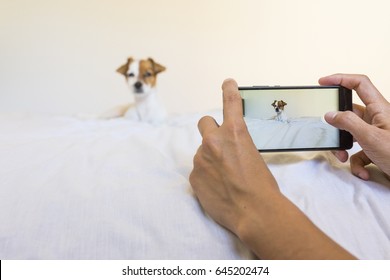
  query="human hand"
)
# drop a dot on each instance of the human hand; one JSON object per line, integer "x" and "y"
{"x": 369, "y": 125}
{"x": 229, "y": 175}
{"x": 236, "y": 188}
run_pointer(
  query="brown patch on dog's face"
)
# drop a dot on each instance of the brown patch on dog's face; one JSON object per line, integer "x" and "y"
{"x": 142, "y": 72}
{"x": 279, "y": 104}
{"x": 148, "y": 70}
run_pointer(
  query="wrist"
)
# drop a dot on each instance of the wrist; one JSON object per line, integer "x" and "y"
{"x": 277, "y": 229}
{"x": 259, "y": 220}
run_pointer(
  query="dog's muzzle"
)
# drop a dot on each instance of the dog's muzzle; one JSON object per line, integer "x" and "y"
{"x": 138, "y": 87}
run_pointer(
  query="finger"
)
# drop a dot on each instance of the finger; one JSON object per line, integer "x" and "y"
{"x": 358, "y": 110}
{"x": 232, "y": 101}
{"x": 350, "y": 122}
{"x": 360, "y": 83}
{"x": 358, "y": 162}
{"x": 341, "y": 155}
{"x": 207, "y": 124}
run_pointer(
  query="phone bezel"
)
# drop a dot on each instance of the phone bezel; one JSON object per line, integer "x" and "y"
{"x": 345, "y": 104}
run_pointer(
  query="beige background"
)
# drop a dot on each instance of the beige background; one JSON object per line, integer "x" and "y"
{"x": 60, "y": 56}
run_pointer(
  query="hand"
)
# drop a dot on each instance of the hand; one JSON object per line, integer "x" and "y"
{"x": 236, "y": 188}
{"x": 228, "y": 167}
{"x": 370, "y": 125}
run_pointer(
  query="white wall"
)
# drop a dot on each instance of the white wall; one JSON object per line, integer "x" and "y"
{"x": 300, "y": 103}
{"x": 60, "y": 56}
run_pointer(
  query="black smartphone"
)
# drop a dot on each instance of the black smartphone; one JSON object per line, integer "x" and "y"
{"x": 291, "y": 118}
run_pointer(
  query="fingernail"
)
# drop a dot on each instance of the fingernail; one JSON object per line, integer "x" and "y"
{"x": 228, "y": 82}
{"x": 331, "y": 115}
{"x": 363, "y": 175}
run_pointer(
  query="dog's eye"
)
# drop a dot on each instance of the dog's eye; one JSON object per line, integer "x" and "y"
{"x": 147, "y": 74}
{"x": 130, "y": 75}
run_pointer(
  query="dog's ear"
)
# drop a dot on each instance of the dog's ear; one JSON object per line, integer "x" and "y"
{"x": 284, "y": 103}
{"x": 157, "y": 68}
{"x": 125, "y": 67}
{"x": 274, "y": 104}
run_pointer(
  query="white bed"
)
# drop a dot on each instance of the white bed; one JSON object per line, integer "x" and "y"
{"x": 118, "y": 189}
{"x": 296, "y": 133}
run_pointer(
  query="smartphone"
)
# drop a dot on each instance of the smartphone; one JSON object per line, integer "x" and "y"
{"x": 291, "y": 118}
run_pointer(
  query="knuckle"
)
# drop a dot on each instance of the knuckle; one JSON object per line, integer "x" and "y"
{"x": 211, "y": 143}
{"x": 194, "y": 175}
{"x": 347, "y": 115}
{"x": 192, "y": 179}
{"x": 345, "y": 119}
{"x": 196, "y": 160}
{"x": 364, "y": 79}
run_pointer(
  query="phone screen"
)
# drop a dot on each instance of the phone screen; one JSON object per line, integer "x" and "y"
{"x": 291, "y": 118}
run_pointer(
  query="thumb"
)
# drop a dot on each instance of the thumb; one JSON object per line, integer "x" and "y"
{"x": 350, "y": 122}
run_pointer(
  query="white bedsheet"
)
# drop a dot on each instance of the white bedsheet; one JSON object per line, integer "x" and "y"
{"x": 297, "y": 133}
{"x": 118, "y": 189}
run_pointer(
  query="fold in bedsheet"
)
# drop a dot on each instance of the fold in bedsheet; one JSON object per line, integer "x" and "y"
{"x": 118, "y": 189}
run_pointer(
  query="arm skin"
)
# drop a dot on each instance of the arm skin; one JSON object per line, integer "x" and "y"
{"x": 236, "y": 188}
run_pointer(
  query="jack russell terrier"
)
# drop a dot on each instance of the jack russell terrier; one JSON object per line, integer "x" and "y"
{"x": 279, "y": 109}
{"x": 141, "y": 77}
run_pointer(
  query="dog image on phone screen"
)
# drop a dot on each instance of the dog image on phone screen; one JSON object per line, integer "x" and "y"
{"x": 279, "y": 109}
{"x": 141, "y": 77}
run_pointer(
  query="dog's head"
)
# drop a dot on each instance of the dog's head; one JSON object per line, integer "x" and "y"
{"x": 141, "y": 75}
{"x": 279, "y": 105}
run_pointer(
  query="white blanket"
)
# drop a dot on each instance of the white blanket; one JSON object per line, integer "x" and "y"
{"x": 118, "y": 189}
{"x": 298, "y": 133}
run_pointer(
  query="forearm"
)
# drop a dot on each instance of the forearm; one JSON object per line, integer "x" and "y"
{"x": 284, "y": 232}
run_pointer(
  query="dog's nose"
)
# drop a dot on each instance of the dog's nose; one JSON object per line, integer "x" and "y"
{"x": 138, "y": 85}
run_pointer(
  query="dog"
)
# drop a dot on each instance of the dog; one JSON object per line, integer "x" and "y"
{"x": 279, "y": 109}
{"x": 141, "y": 77}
